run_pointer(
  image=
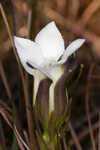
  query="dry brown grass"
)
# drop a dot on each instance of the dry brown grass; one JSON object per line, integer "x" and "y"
{"x": 75, "y": 18}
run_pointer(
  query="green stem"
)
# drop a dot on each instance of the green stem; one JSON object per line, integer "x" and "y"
{"x": 51, "y": 98}
{"x": 38, "y": 77}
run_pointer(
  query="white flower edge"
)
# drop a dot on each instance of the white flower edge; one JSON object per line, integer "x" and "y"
{"x": 35, "y": 53}
{"x": 28, "y": 50}
{"x": 51, "y": 41}
{"x": 74, "y": 46}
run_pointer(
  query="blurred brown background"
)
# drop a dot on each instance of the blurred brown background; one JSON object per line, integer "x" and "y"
{"x": 75, "y": 19}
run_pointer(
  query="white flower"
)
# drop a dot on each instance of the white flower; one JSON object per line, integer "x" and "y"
{"x": 45, "y": 51}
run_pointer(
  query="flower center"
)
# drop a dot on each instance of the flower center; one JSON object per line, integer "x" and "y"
{"x": 49, "y": 63}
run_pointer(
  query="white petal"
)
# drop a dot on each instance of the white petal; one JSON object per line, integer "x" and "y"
{"x": 51, "y": 98}
{"x": 28, "y": 49}
{"x": 27, "y": 68}
{"x": 50, "y": 41}
{"x": 41, "y": 69}
{"x": 56, "y": 72}
{"x": 75, "y": 45}
{"x": 52, "y": 72}
{"x": 38, "y": 76}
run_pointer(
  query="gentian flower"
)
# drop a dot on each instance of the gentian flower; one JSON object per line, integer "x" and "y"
{"x": 44, "y": 57}
{"x": 47, "y": 52}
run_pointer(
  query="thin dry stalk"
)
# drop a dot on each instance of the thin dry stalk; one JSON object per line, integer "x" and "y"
{"x": 94, "y": 77}
{"x": 85, "y": 133}
{"x": 6, "y": 117}
{"x": 2, "y": 137}
{"x": 26, "y": 136}
{"x": 13, "y": 15}
{"x": 5, "y": 48}
{"x": 29, "y": 20}
{"x": 4, "y": 105}
{"x": 5, "y": 82}
{"x": 8, "y": 29}
{"x": 73, "y": 7}
{"x": 20, "y": 138}
{"x": 87, "y": 109}
{"x": 75, "y": 138}
{"x": 64, "y": 143}
{"x": 27, "y": 101}
{"x": 90, "y": 10}
{"x": 84, "y": 119}
{"x": 74, "y": 27}
{"x": 99, "y": 133}
{"x": 20, "y": 144}
{"x": 61, "y": 6}
{"x": 9, "y": 120}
